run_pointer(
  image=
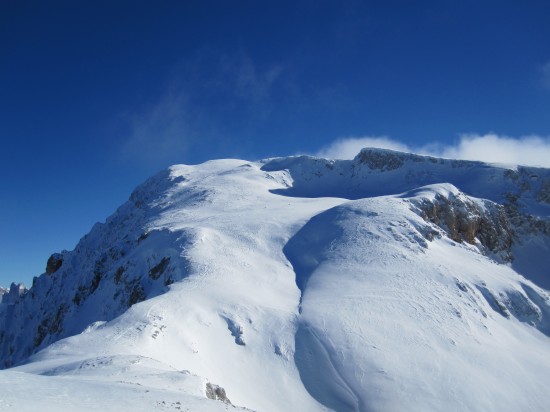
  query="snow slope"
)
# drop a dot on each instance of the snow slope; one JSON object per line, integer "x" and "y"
{"x": 400, "y": 322}
{"x": 298, "y": 284}
{"x": 105, "y": 384}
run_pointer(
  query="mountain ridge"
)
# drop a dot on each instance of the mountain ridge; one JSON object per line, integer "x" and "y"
{"x": 233, "y": 270}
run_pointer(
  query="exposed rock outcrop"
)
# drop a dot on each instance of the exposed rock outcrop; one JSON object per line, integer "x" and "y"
{"x": 216, "y": 392}
{"x": 466, "y": 220}
{"x": 54, "y": 263}
{"x": 109, "y": 270}
{"x": 377, "y": 159}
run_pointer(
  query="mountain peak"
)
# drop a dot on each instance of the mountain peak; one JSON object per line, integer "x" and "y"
{"x": 303, "y": 283}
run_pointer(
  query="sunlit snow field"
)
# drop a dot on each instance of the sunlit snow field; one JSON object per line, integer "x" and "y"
{"x": 296, "y": 284}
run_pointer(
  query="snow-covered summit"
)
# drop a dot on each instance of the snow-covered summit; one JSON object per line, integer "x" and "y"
{"x": 377, "y": 172}
{"x": 387, "y": 282}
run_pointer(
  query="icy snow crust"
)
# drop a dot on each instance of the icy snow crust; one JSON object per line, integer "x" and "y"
{"x": 305, "y": 284}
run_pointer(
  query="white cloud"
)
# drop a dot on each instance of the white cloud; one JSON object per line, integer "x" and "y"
{"x": 525, "y": 150}
{"x": 348, "y": 147}
{"x": 492, "y": 148}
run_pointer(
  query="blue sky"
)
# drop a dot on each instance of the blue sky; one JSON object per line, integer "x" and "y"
{"x": 97, "y": 96}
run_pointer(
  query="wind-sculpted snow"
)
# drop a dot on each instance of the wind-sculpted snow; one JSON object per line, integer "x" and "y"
{"x": 522, "y": 191}
{"x": 108, "y": 383}
{"x": 307, "y": 284}
{"x": 390, "y": 321}
{"x": 217, "y": 233}
{"x": 378, "y": 172}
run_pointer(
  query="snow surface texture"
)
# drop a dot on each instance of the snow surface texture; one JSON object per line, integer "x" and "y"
{"x": 390, "y": 282}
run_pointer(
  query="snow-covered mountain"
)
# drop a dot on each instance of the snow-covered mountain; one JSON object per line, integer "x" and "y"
{"x": 389, "y": 282}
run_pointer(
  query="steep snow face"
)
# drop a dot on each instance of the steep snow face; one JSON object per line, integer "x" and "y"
{"x": 397, "y": 315}
{"x": 210, "y": 283}
{"x": 112, "y": 268}
{"x": 203, "y": 247}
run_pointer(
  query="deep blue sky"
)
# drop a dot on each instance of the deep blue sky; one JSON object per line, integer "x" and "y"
{"x": 96, "y": 96}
